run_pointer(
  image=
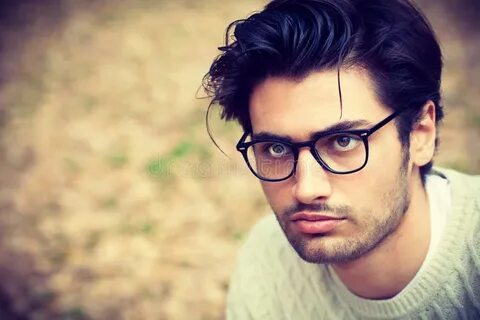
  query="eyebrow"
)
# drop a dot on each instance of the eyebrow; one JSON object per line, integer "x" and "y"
{"x": 341, "y": 126}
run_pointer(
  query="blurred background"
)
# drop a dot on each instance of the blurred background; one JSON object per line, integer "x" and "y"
{"x": 114, "y": 203}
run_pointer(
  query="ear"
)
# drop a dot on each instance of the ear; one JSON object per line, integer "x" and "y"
{"x": 422, "y": 136}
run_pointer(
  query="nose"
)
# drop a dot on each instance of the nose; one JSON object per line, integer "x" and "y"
{"x": 311, "y": 180}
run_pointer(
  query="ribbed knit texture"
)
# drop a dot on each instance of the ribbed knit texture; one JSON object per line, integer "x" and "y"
{"x": 272, "y": 282}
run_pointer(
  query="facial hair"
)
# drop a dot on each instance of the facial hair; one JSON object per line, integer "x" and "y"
{"x": 375, "y": 226}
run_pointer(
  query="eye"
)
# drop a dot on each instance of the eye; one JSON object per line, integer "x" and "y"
{"x": 277, "y": 150}
{"x": 345, "y": 142}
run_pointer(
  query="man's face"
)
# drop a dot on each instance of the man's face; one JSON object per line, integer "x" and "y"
{"x": 329, "y": 217}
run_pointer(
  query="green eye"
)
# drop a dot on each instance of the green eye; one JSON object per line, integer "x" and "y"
{"x": 277, "y": 150}
{"x": 345, "y": 142}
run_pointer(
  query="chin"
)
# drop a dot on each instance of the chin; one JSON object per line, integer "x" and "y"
{"x": 329, "y": 249}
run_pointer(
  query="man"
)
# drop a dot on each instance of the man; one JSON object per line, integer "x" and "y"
{"x": 339, "y": 101}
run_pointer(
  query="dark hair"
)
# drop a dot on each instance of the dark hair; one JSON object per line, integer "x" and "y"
{"x": 391, "y": 40}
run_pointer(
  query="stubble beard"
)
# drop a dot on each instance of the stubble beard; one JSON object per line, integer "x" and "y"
{"x": 375, "y": 227}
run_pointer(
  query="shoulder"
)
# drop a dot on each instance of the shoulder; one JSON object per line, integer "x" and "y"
{"x": 268, "y": 274}
{"x": 251, "y": 293}
{"x": 464, "y": 190}
{"x": 265, "y": 244}
{"x": 465, "y": 193}
{"x": 460, "y": 181}
{"x": 465, "y": 208}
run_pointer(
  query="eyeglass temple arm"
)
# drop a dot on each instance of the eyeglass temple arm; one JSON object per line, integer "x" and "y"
{"x": 241, "y": 142}
{"x": 386, "y": 120}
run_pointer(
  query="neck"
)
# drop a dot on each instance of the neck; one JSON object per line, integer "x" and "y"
{"x": 385, "y": 271}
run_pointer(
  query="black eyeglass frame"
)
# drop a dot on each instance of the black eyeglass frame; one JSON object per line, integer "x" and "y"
{"x": 363, "y": 134}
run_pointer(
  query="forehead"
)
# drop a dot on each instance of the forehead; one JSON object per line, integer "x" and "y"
{"x": 296, "y": 108}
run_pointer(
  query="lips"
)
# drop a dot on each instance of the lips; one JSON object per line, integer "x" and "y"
{"x": 312, "y": 223}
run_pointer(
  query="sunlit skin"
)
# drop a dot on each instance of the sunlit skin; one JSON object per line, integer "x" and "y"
{"x": 371, "y": 261}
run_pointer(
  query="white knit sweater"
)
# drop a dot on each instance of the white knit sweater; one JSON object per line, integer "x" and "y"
{"x": 272, "y": 282}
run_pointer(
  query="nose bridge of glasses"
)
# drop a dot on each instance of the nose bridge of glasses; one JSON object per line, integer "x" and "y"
{"x": 308, "y": 168}
{"x": 305, "y": 144}
{"x": 310, "y": 145}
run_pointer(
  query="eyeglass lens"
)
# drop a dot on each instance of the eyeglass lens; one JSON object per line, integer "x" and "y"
{"x": 341, "y": 152}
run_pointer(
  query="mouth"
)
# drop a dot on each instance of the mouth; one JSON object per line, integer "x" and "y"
{"x": 314, "y": 223}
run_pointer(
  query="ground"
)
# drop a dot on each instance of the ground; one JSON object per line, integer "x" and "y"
{"x": 114, "y": 203}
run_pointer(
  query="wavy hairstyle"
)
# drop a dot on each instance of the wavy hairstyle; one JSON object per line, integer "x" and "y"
{"x": 390, "y": 39}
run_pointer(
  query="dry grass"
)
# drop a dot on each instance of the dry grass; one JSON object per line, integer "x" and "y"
{"x": 113, "y": 203}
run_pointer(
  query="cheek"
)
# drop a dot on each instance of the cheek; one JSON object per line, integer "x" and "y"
{"x": 278, "y": 194}
{"x": 357, "y": 191}
{"x": 385, "y": 154}
{"x": 365, "y": 191}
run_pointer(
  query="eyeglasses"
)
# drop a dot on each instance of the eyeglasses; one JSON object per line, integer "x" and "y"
{"x": 338, "y": 151}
